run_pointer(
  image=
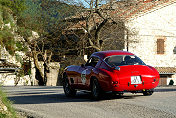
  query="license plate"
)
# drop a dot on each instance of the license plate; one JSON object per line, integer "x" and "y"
{"x": 136, "y": 80}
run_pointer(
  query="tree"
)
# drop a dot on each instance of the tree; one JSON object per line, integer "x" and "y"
{"x": 45, "y": 18}
{"x": 17, "y": 6}
{"x": 102, "y": 22}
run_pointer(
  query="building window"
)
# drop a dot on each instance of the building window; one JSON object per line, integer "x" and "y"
{"x": 160, "y": 46}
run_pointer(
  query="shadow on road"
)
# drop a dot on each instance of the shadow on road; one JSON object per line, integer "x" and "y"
{"x": 42, "y": 95}
{"x": 165, "y": 90}
{"x": 61, "y": 98}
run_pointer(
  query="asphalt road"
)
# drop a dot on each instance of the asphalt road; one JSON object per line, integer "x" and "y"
{"x": 50, "y": 102}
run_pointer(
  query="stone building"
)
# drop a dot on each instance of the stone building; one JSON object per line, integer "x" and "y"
{"x": 156, "y": 37}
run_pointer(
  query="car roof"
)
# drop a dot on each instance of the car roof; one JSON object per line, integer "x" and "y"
{"x": 104, "y": 54}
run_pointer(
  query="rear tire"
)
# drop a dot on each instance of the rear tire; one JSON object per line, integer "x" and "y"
{"x": 68, "y": 90}
{"x": 148, "y": 92}
{"x": 95, "y": 90}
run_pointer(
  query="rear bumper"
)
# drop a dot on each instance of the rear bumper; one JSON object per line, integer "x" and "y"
{"x": 136, "y": 87}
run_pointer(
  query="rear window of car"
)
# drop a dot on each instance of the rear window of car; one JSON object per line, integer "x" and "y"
{"x": 122, "y": 60}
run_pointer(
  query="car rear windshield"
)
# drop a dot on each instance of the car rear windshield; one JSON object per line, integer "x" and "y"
{"x": 122, "y": 60}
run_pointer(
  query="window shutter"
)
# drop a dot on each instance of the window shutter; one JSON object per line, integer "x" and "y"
{"x": 160, "y": 46}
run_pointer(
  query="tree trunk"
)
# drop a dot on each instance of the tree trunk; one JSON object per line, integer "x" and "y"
{"x": 39, "y": 77}
{"x": 46, "y": 70}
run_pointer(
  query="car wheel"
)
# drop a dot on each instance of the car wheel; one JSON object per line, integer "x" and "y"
{"x": 69, "y": 92}
{"x": 148, "y": 92}
{"x": 95, "y": 90}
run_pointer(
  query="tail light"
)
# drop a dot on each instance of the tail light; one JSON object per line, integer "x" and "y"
{"x": 115, "y": 82}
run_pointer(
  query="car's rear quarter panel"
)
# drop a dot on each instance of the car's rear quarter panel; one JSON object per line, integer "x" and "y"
{"x": 73, "y": 73}
{"x": 105, "y": 77}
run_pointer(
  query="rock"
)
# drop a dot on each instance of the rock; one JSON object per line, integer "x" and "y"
{"x": 5, "y": 108}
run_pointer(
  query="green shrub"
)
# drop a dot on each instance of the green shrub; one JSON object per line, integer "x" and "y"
{"x": 10, "y": 112}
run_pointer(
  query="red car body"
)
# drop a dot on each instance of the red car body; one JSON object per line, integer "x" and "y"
{"x": 111, "y": 74}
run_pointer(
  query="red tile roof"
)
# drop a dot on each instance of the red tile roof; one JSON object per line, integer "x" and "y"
{"x": 166, "y": 70}
{"x": 7, "y": 66}
{"x": 124, "y": 10}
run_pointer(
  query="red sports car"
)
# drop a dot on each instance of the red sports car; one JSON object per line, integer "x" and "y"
{"x": 116, "y": 71}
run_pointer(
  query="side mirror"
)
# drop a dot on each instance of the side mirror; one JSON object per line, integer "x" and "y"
{"x": 117, "y": 68}
{"x": 82, "y": 65}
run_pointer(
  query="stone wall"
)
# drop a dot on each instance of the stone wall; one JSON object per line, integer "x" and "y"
{"x": 52, "y": 75}
{"x": 10, "y": 79}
